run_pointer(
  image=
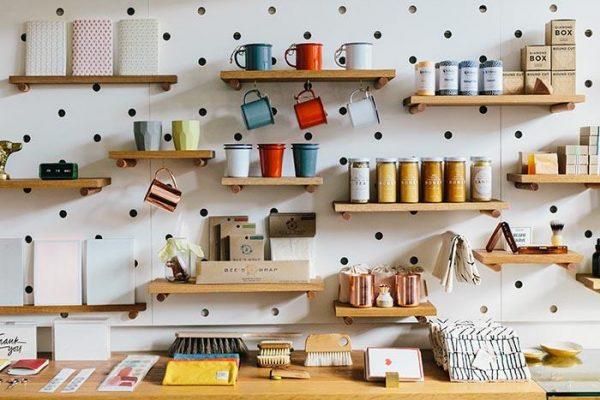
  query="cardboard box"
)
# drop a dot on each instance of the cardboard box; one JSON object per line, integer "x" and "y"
{"x": 536, "y": 58}
{"x": 574, "y": 149}
{"x": 543, "y": 164}
{"x": 233, "y": 228}
{"x": 564, "y": 159}
{"x": 588, "y": 140}
{"x": 574, "y": 170}
{"x": 19, "y": 340}
{"x": 292, "y": 225}
{"x": 67, "y": 343}
{"x": 214, "y": 238}
{"x": 247, "y": 248}
{"x": 253, "y": 272}
{"x": 563, "y": 58}
{"x": 588, "y": 131}
{"x": 513, "y": 82}
{"x": 563, "y": 82}
{"x": 560, "y": 31}
{"x": 531, "y": 76}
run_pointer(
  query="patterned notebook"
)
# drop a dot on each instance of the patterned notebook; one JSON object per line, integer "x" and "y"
{"x": 46, "y": 48}
{"x": 92, "y": 47}
{"x": 138, "y": 47}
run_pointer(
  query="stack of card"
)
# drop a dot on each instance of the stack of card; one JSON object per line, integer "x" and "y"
{"x": 588, "y": 136}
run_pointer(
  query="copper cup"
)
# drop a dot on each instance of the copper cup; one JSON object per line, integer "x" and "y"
{"x": 162, "y": 195}
{"x": 362, "y": 292}
{"x": 408, "y": 290}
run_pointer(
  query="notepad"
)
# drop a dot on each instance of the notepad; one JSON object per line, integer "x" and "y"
{"x": 406, "y": 362}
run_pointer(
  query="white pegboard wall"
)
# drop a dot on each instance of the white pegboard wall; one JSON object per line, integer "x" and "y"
{"x": 198, "y": 38}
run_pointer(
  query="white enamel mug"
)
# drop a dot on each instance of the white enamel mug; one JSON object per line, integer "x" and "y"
{"x": 238, "y": 160}
{"x": 358, "y": 55}
{"x": 363, "y": 112}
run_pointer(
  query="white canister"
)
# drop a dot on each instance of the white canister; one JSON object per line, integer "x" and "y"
{"x": 492, "y": 77}
{"x": 358, "y": 55}
{"x": 363, "y": 112}
{"x": 425, "y": 78}
{"x": 481, "y": 179}
{"x": 448, "y": 78}
{"x": 359, "y": 180}
{"x": 238, "y": 160}
{"x": 468, "y": 81}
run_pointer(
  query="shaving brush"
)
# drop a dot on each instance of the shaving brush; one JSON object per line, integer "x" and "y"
{"x": 557, "y": 228}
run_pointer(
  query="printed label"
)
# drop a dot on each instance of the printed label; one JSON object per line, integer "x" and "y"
{"x": 449, "y": 77}
{"x": 359, "y": 184}
{"x": 425, "y": 79}
{"x": 222, "y": 375}
{"x": 482, "y": 183}
{"x": 492, "y": 79}
{"x": 469, "y": 79}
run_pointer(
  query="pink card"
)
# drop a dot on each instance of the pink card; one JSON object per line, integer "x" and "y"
{"x": 92, "y": 47}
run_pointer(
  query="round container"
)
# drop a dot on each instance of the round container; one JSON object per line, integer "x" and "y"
{"x": 455, "y": 179}
{"x": 305, "y": 159}
{"x": 468, "y": 81}
{"x": 425, "y": 78}
{"x": 178, "y": 267}
{"x": 408, "y": 172}
{"x": 271, "y": 159}
{"x": 238, "y": 160}
{"x": 361, "y": 290}
{"x": 359, "y": 180}
{"x": 448, "y": 78}
{"x": 492, "y": 77}
{"x": 480, "y": 85}
{"x": 186, "y": 134}
{"x": 408, "y": 290}
{"x": 386, "y": 180}
{"x": 432, "y": 177}
{"x": 437, "y": 79}
{"x": 481, "y": 179}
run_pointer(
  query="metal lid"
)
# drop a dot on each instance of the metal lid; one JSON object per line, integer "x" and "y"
{"x": 386, "y": 160}
{"x": 238, "y": 146}
{"x": 432, "y": 159}
{"x": 455, "y": 159}
{"x": 259, "y": 44}
{"x": 408, "y": 159}
{"x": 359, "y": 160}
{"x": 346, "y": 44}
{"x": 481, "y": 158}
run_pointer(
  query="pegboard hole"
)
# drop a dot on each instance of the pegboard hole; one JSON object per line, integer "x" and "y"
{"x": 23, "y": 37}
{"x": 62, "y": 113}
{"x": 60, "y": 11}
{"x": 166, "y": 36}
{"x": 343, "y": 110}
{"x": 483, "y": 309}
{"x": 518, "y": 33}
{"x": 96, "y": 87}
{"x": 412, "y": 59}
{"x": 448, "y": 135}
{"x": 132, "y": 112}
{"x": 237, "y": 36}
{"x": 237, "y": 137}
{"x": 273, "y": 210}
{"x": 307, "y": 35}
{"x": 413, "y": 212}
{"x": 201, "y": 10}
{"x": 272, "y": 10}
{"x": 167, "y": 137}
{"x": 130, "y": 11}
{"x": 274, "y": 110}
{"x": 204, "y": 212}
{"x": 448, "y": 34}
{"x": 273, "y": 61}
{"x": 412, "y": 9}
{"x": 202, "y": 61}
{"x": 518, "y": 134}
{"x": 27, "y": 190}
{"x": 344, "y": 261}
{"x": 342, "y": 10}
{"x": 553, "y": 8}
{"x": 482, "y": 59}
{"x": 588, "y": 83}
{"x": 133, "y": 213}
{"x": 205, "y": 312}
{"x": 343, "y": 161}
{"x": 414, "y": 260}
{"x": 342, "y": 60}
{"x": 98, "y": 237}
{"x": 28, "y": 289}
{"x": 275, "y": 311}
{"x": 136, "y": 263}
{"x": 588, "y": 33}
{"x": 518, "y": 284}
{"x": 553, "y": 309}
{"x": 483, "y": 110}
{"x": 378, "y": 235}
{"x": 202, "y": 112}
{"x": 482, "y": 8}
{"x": 26, "y": 138}
{"x": 378, "y": 135}
{"x": 308, "y": 136}
{"x": 28, "y": 239}
{"x": 588, "y": 234}
{"x": 168, "y": 236}
{"x": 97, "y": 138}
{"x": 377, "y": 35}
{"x": 553, "y": 209}
{"x": 63, "y": 214}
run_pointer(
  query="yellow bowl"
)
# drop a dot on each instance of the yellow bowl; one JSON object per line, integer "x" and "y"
{"x": 562, "y": 349}
{"x": 534, "y": 354}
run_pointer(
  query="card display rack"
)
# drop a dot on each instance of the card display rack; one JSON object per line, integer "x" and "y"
{"x": 348, "y": 312}
{"x": 237, "y": 184}
{"x": 128, "y": 159}
{"x": 532, "y": 182}
{"x": 132, "y": 309}
{"x": 495, "y": 259}
{"x": 86, "y": 186}
{"x": 24, "y": 82}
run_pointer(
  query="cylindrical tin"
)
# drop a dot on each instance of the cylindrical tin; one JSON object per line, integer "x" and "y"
{"x": 362, "y": 290}
{"x": 386, "y": 180}
{"x": 448, "y": 78}
{"x": 408, "y": 290}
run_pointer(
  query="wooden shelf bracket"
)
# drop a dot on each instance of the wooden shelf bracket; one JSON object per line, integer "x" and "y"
{"x": 492, "y": 213}
{"x": 562, "y": 107}
{"x": 126, "y": 163}
{"x": 534, "y": 187}
{"x": 236, "y": 188}
{"x": 89, "y": 191}
{"x": 162, "y": 297}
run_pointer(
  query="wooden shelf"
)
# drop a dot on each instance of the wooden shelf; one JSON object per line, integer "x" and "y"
{"x": 497, "y": 258}
{"x": 127, "y": 159}
{"x": 86, "y": 186}
{"x": 163, "y": 288}
{"x": 237, "y": 184}
{"x": 531, "y": 182}
{"x": 379, "y": 77}
{"x": 132, "y": 309}
{"x": 492, "y": 208}
{"x": 589, "y": 281}
{"x": 556, "y": 103}
{"x": 348, "y": 312}
{"x": 24, "y": 82}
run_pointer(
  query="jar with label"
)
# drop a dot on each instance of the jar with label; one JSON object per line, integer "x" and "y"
{"x": 386, "y": 180}
{"x": 448, "y": 77}
{"x": 409, "y": 179}
{"x": 455, "y": 179}
{"x": 468, "y": 83}
{"x": 425, "y": 78}
{"x": 481, "y": 179}
{"x": 492, "y": 77}
{"x": 432, "y": 178}
{"x": 359, "y": 180}
{"x": 437, "y": 79}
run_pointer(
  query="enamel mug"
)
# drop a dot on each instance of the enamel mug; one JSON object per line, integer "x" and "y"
{"x": 163, "y": 195}
{"x": 357, "y": 55}
{"x": 257, "y": 113}
{"x": 147, "y": 135}
{"x": 258, "y": 57}
{"x": 309, "y": 112}
{"x": 186, "y": 134}
{"x": 309, "y": 56}
{"x": 363, "y": 112}
{"x": 238, "y": 160}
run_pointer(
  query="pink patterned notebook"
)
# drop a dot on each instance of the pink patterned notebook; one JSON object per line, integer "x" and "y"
{"x": 92, "y": 47}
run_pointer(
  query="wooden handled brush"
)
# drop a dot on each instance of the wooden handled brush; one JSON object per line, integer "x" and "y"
{"x": 330, "y": 349}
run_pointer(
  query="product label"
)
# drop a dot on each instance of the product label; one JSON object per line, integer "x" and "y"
{"x": 482, "y": 183}
{"x": 449, "y": 77}
{"x": 469, "y": 79}
{"x": 359, "y": 184}
{"x": 492, "y": 79}
{"x": 222, "y": 375}
{"x": 425, "y": 79}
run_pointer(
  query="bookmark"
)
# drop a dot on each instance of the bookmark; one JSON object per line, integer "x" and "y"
{"x": 58, "y": 380}
{"x": 78, "y": 380}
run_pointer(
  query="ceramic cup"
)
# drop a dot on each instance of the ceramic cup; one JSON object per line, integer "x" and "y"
{"x": 309, "y": 56}
{"x": 363, "y": 112}
{"x": 271, "y": 159}
{"x": 258, "y": 56}
{"x": 305, "y": 159}
{"x": 238, "y": 160}
{"x": 186, "y": 134}
{"x": 147, "y": 135}
{"x": 257, "y": 113}
{"x": 357, "y": 55}
{"x": 309, "y": 112}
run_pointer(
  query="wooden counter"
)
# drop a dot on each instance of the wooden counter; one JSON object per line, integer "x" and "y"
{"x": 325, "y": 383}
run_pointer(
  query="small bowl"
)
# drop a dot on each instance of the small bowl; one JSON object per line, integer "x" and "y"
{"x": 534, "y": 354}
{"x": 562, "y": 349}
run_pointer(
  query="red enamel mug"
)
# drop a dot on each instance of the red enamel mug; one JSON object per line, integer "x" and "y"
{"x": 271, "y": 159}
{"x": 309, "y": 56}
{"x": 309, "y": 112}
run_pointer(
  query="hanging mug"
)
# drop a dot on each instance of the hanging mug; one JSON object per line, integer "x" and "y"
{"x": 309, "y": 112}
{"x": 309, "y": 56}
{"x": 162, "y": 195}
{"x": 257, "y": 113}
{"x": 363, "y": 112}
{"x": 357, "y": 55}
{"x": 258, "y": 57}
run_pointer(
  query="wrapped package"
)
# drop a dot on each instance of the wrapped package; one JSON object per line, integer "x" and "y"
{"x": 385, "y": 275}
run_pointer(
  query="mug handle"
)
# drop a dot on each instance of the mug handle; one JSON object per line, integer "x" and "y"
{"x": 290, "y": 50}
{"x": 170, "y": 174}
{"x": 252, "y": 91}
{"x": 310, "y": 91}
{"x": 337, "y": 55}
{"x": 366, "y": 91}
{"x": 241, "y": 49}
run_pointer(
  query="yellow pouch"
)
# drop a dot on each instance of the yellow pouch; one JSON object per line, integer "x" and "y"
{"x": 201, "y": 373}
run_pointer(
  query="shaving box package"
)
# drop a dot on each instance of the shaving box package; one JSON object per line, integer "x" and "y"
{"x": 18, "y": 340}
{"x": 292, "y": 236}
{"x": 214, "y": 233}
{"x": 247, "y": 248}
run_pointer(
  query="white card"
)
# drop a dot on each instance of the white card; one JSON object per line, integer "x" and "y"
{"x": 58, "y": 380}
{"x": 57, "y": 272}
{"x": 11, "y": 270}
{"x": 405, "y": 361}
{"x": 78, "y": 380}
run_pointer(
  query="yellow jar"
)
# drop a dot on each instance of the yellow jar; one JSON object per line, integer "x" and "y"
{"x": 455, "y": 179}
{"x": 409, "y": 179}
{"x": 386, "y": 180}
{"x": 481, "y": 179}
{"x": 432, "y": 177}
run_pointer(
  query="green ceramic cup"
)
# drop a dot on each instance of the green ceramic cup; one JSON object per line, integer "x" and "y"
{"x": 186, "y": 134}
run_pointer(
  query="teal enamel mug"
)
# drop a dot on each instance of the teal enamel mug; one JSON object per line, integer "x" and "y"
{"x": 305, "y": 159}
{"x": 258, "y": 56}
{"x": 257, "y": 113}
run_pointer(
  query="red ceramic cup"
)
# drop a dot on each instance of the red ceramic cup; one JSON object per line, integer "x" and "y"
{"x": 309, "y": 56}
{"x": 271, "y": 159}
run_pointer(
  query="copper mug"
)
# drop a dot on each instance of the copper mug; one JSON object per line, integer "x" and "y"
{"x": 362, "y": 293}
{"x": 162, "y": 195}
{"x": 408, "y": 290}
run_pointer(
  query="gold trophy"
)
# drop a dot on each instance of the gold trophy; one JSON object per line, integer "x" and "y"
{"x": 6, "y": 149}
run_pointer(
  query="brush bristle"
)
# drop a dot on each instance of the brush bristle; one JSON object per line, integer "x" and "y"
{"x": 556, "y": 226}
{"x": 328, "y": 359}
{"x": 189, "y": 345}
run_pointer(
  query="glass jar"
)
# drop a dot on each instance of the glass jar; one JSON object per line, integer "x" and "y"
{"x": 481, "y": 179}
{"x": 432, "y": 178}
{"x": 359, "y": 180}
{"x": 409, "y": 179}
{"x": 425, "y": 78}
{"x": 386, "y": 180}
{"x": 455, "y": 179}
{"x": 178, "y": 264}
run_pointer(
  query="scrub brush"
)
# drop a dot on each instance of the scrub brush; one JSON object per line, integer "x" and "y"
{"x": 208, "y": 343}
{"x": 557, "y": 228}
{"x": 274, "y": 353}
{"x": 325, "y": 350}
